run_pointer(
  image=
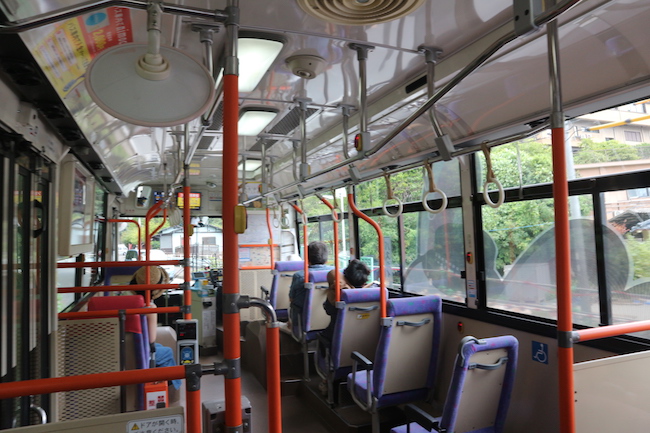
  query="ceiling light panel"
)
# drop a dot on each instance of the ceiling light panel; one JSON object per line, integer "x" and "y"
{"x": 256, "y": 56}
{"x": 252, "y": 121}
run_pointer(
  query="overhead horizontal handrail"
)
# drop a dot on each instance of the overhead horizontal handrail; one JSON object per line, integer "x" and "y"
{"x": 433, "y": 159}
{"x": 540, "y": 20}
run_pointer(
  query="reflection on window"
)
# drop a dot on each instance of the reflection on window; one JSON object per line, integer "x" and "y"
{"x": 519, "y": 251}
{"x": 369, "y": 248}
{"x": 629, "y": 260}
{"x": 519, "y": 164}
{"x": 436, "y": 261}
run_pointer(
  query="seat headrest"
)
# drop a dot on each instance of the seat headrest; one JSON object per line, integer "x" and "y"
{"x": 296, "y": 265}
{"x": 414, "y": 305}
{"x": 318, "y": 276}
{"x": 350, "y": 296}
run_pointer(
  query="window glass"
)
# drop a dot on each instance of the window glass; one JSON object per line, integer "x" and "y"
{"x": 627, "y": 259}
{"x": 518, "y": 164}
{"x": 369, "y": 248}
{"x": 407, "y": 186}
{"x": 313, "y": 206}
{"x": 519, "y": 254}
{"x": 434, "y": 253}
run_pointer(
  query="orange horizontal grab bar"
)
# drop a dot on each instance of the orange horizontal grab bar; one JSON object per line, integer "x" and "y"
{"x": 87, "y": 381}
{"x": 117, "y": 288}
{"x": 115, "y": 313}
{"x": 118, "y": 264}
{"x": 612, "y": 330}
{"x": 256, "y": 245}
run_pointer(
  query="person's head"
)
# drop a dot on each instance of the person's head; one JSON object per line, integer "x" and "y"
{"x": 331, "y": 278}
{"x": 317, "y": 253}
{"x": 158, "y": 276}
{"x": 356, "y": 273}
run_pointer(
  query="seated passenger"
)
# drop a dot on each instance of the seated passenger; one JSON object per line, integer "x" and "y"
{"x": 164, "y": 355}
{"x": 316, "y": 257}
{"x": 355, "y": 276}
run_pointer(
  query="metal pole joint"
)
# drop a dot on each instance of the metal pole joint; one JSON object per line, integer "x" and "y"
{"x": 193, "y": 373}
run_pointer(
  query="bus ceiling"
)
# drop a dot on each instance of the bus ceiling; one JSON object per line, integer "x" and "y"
{"x": 433, "y": 83}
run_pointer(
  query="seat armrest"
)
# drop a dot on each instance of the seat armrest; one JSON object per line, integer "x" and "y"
{"x": 416, "y": 414}
{"x": 265, "y": 293}
{"x": 360, "y": 360}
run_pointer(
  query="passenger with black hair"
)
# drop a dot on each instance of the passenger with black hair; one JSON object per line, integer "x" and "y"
{"x": 316, "y": 257}
{"x": 355, "y": 276}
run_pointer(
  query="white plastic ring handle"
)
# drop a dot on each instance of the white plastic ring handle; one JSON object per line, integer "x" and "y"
{"x": 285, "y": 223}
{"x": 400, "y": 207}
{"x": 442, "y": 207}
{"x": 335, "y": 214}
{"x": 486, "y": 196}
{"x": 276, "y": 222}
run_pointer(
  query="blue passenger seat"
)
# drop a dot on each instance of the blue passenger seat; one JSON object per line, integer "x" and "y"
{"x": 406, "y": 357}
{"x": 279, "y": 294}
{"x": 356, "y": 329}
{"x": 479, "y": 392}
{"x": 313, "y": 318}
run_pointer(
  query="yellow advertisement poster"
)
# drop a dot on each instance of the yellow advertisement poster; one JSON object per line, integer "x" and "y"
{"x": 66, "y": 53}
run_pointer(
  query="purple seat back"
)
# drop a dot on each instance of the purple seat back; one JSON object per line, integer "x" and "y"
{"x": 357, "y": 326}
{"x": 400, "y": 376}
{"x": 283, "y": 271}
{"x": 496, "y": 357}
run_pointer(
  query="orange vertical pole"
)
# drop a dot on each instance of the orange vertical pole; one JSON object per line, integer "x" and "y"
{"x": 337, "y": 280}
{"x": 563, "y": 266}
{"x": 152, "y": 212}
{"x": 187, "y": 229}
{"x": 231, "y": 320}
{"x": 193, "y": 408}
{"x": 273, "y": 378}
{"x": 562, "y": 239}
{"x": 268, "y": 224}
{"x": 382, "y": 260}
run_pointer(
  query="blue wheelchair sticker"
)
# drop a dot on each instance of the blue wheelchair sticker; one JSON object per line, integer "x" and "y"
{"x": 540, "y": 352}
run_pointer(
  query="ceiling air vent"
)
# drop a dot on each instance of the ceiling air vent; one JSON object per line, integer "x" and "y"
{"x": 217, "y": 119}
{"x": 291, "y": 121}
{"x": 359, "y": 12}
{"x": 205, "y": 142}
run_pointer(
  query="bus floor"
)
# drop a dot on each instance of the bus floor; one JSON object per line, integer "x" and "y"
{"x": 296, "y": 415}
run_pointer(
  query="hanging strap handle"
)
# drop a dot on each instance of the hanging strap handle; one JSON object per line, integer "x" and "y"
{"x": 491, "y": 178}
{"x": 391, "y": 196}
{"x": 433, "y": 189}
